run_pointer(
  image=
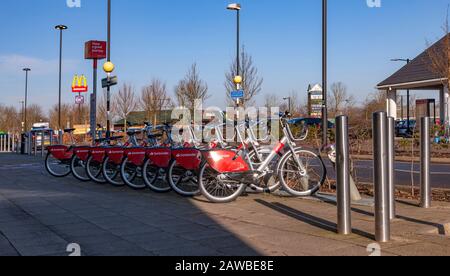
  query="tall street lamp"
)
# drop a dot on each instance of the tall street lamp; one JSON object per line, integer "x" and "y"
{"x": 408, "y": 103}
{"x": 27, "y": 70}
{"x": 324, "y": 71}
{"x": 238, "y": 78}
{"x": 61, "y": 28}
{"x": 289, "y": 104}
{"x": 108, "y": 67}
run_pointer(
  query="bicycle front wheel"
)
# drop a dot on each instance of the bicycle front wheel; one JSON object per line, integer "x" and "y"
{"x": 302, "y": 174}
{"x": 94, "y": 171}
{"x": 132, "y": 175}
{"x": 155, "y": 178}
{"x": 218, "y": 188}
{"x": 183, "y": 182}
{"x": 78, "y": 168}
{"x": 57, "y": 168}
{"x": 111, "y": 172}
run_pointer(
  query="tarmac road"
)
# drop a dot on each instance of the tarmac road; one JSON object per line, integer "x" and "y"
{"x": 440, "y": 173}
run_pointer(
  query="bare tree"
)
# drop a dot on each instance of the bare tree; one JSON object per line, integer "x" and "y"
{"x": 125, "y": 102}
{"x": 251, "y": 82}
{"x": 102, "y": 114}
{"x": 271, "y": 100}
{"x": 10, "y": 119}
{"x": 66, "y": 116}
{"x": 191, "y": 88}
{"x": 339, "y": 99}
{"x": 440, "y": 55}
{"x": 35, "y": 114}
{"x": 153, "y": 99}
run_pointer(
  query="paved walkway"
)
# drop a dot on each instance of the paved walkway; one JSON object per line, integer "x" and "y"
{"x": 41, "y": 215}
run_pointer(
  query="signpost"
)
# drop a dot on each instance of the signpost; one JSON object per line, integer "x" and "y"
{"x": 95, "y": 50}
{"x": 108, "y": 82}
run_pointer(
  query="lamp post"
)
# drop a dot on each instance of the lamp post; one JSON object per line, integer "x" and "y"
{"x": 289, "y": 103}
{"x": 108, "y": 67}
{"x": 61, "y": 28}
{"x": 237, "y": 79}
{"x": 324, "y": 71}
{"x": 27, "y": 70}
{"x": 408, "y": 103}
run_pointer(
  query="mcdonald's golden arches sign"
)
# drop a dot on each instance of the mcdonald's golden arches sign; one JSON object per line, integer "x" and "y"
{"x": 79, "y": 84}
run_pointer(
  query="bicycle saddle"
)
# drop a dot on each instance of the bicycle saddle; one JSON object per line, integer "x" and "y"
{"x": 69, "y": 130}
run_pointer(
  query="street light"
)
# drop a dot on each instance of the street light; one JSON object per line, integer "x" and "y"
{"x": 108, "y": 67}
{"x": 324, "y": 71}
{"x": 27, "y": 70}
{"x": 408, "y": 108}
{"x": 61, "y": 28}
{"x": 238, "y": 79}
{"x": 289, "y": 103}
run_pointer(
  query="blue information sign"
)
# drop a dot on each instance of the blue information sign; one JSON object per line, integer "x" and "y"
{"x": 239, "y": 94}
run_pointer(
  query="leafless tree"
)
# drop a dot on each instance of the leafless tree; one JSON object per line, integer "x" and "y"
{"x": 125, "y": 102}
{"x": 440, "y": 56}
{"x": 271, "y": 100}
{"x": 102, "y": 114}
{"x": 153, "y": 99}
{"x": 66, "y": 116}
{"x": 191, "y": 88}
{"x": 35, "y": 114}
{"x": 10, "y": 119}
{"x": 251, "y": 82}
{"x": 339, "y": 99}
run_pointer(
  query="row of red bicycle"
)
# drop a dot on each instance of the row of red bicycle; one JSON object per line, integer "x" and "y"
{"x": 189, "y": 167}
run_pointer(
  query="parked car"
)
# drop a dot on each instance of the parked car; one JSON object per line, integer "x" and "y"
{"x": 310, "y": 122}
{"x": 402, "y": 129}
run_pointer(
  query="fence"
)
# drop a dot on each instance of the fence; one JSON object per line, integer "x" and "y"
{"x": 8, "y": 143}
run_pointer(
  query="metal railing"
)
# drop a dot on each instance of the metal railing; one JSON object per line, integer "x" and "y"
{"x": 8, "y": 143}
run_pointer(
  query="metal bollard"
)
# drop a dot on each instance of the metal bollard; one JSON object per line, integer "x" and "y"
{"x": 343, "y": 176}
{"x": 391, "y": 167}
{"x": 381, "y": 177}
{"x": 42, "y": 144}
{"x": 425, "y": 160}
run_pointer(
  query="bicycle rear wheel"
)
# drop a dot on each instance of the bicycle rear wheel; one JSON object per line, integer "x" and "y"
{"x": 218, "y": 188}
{"x": 304, "y": 179}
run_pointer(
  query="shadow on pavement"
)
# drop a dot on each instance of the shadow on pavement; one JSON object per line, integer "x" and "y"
{"x": 309, "y": 219}
{"x": 42, "y": 215}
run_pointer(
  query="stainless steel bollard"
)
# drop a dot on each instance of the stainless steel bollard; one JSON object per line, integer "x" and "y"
{"x": 343, "y": 176}
{"x": 381, "y": 177}
{"x": 42, "y": 143}
{"x": 391, "y": 167}
{"x": 425, "y": 160}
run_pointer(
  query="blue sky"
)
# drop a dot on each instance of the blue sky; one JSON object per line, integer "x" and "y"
{"x": 162, "y": 38}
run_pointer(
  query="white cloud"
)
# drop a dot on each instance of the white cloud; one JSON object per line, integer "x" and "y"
{"x": 13, "y": 64}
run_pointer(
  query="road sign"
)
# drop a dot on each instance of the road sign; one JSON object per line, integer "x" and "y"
{"x": 239, "y": 94}
{"x": 112, "y": 81}
{"x": 79, "y": 84}
{"x": 95, "y": 49}
{"x": 79, "y": 99}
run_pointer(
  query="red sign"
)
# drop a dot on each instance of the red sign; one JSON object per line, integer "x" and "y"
{"x": 95, "y": 49}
